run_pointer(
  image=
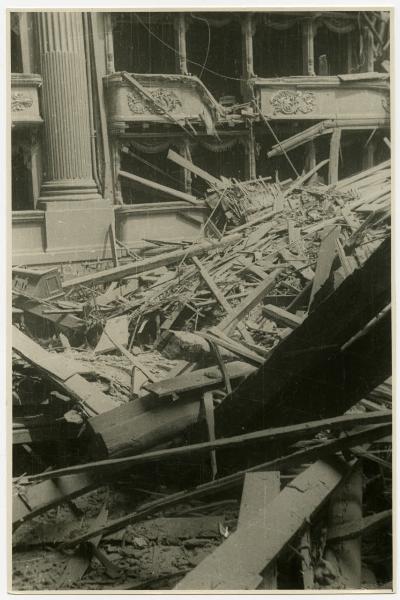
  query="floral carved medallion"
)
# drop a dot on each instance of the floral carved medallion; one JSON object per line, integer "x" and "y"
{"x": 290, "y": 102}
{"x": 20, "y": 101}
{"x": 164, "y": 101}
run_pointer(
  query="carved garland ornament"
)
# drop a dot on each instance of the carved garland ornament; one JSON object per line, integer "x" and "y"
{"x": 289, "y": 102}
{"x": 165, "y": 99}
{"x": 20, "y": 101}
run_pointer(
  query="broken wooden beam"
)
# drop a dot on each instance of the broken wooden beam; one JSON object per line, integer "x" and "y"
{"x": 277, "y": 434}
{"x": 189, "y": 166}
{"x": 281, "y": 315}
{"x": 149, "y": 264}
{"x": 163, "y": 189}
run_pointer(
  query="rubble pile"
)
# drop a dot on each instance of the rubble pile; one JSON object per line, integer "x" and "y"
{"x": 213, "y": 414}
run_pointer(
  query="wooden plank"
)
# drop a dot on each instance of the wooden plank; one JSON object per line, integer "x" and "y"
{"x": 203, "y": 379}
{"x": 259, "y": 489}
{"x": 298, "y": 139}
{"x": 228, "y": 324}
{"x": 187, "y": 164}
{"x": 54, "y": 431}
{"x": 153, "y": 185}
{"x": 238, "y": 562}
{"x": 233, "y": 346}
{"x": 236, "y": 479}
{"x": 309, "y": 429}
{"x": 334, "y": 154}
{"x": 149, "y": 264}
{"x": 281, "y": 315}
{"x": 64, "y": 372}
{"x": 218, "y": 295}
{"x": 326, "y": 256}
{"x": 300, "y": 180}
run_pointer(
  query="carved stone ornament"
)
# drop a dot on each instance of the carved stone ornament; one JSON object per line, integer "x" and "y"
{"x": 386, "y": 104}
{"x": 20, "y": 101}
{"x": 290, "y": 102}
{"x": 165, "y": 99}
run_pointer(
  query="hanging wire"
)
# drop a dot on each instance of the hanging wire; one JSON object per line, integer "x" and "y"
{"x": 192, "y": 62}
{"x": 208, "y": 42}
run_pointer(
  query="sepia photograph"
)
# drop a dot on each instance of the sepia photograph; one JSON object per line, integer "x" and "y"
{"x": 200, "y": 328}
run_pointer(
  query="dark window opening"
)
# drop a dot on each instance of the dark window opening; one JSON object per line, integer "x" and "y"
{"x": 155, "y": 167}
{"x": 277, "y": 53}
{"x": 144, "y": 43}
{"x": 216, "y": 48}
{"x": 360, "y": 150}
{"x": 334, "y": 53}
{"x": 21, "y": 181}
{"x": 229, "y": 163}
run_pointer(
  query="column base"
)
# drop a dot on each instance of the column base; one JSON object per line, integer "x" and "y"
{"x": 68, "y": 191}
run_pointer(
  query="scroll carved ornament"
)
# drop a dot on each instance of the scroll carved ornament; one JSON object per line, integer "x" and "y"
{"x": 290, "y": 102}
{"x": 20, "y": 101}
{"x": 165, "y": 100}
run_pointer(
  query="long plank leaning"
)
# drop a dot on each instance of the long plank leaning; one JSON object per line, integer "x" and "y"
{"x": 149, "y": 264}
{"x": 231, "y": 320}
{"x": 64, "y": 372}
{"x": 238, "y": 562}
{"x": 259, "y": 489}
{"x": 218, "y": 295}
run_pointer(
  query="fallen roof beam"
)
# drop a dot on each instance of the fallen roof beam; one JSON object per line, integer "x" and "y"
{"x": 276, "y": 434}
{"x": 149, "y": 264}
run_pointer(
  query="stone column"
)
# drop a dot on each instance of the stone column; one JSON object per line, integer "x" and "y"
{"x": 68, "y": 171}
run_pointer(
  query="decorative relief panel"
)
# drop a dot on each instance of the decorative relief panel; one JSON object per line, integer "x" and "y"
{"x": 167, "y": 100}
{"x": 290, "y": 102}
{"x": 20, "y": 101}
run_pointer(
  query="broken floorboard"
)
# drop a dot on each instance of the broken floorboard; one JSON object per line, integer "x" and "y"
{"x": 238, "y": 562}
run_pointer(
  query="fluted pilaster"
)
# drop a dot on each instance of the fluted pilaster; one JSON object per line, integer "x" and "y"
{"x": 68, "y": 170}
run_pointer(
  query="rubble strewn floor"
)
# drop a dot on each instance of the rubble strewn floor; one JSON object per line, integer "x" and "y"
{"x": 164, "y": 355}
